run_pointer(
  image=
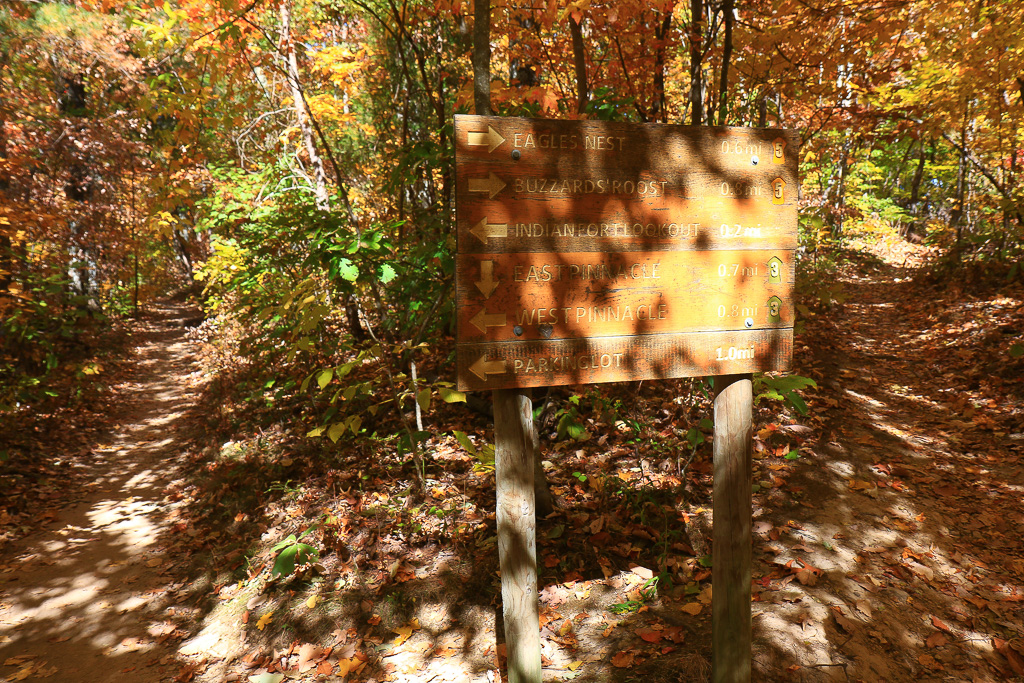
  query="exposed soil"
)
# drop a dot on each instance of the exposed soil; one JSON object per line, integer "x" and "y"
{"x": 86, "y": 596}
{"x": 887, "y": 545}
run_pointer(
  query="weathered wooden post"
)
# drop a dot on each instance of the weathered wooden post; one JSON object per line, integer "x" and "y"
{"x": 514, "y": 437}
{"x": 590, "y": 252}
{"x": 731, "y": 553}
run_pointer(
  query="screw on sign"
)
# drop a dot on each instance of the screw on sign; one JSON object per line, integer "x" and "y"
{"x": 592, "y": 251}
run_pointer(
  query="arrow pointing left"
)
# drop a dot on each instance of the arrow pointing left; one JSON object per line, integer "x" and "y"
{"x": 491, "y": 139}
{"x": 492, "y": 185}
{"x": 482, "y": 320}
{"x": 483, "y": 367}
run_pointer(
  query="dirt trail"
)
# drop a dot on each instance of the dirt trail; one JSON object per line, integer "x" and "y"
{"x": 85, "y": 599}
{"x": 891, "y": 550}
{"x": 910, "y": 504}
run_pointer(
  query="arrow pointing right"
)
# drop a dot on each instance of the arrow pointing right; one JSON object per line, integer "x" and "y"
{"x": 492, "y": 185}
{"x": 491, "y": 139}
{"x": 483, "y": 367}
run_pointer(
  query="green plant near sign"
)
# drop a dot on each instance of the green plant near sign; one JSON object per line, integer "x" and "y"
{"x": 292, "y": 553}
{"x": 484, "y": 454}
{"x": 785, "y": 389}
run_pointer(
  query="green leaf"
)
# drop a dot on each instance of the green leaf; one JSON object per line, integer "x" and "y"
{"x": 1017, "y": 350}
{"x": 354, "y": 423}
{"x": 291, "y": 556}
{"x": 284, "y": 544}
{"x": 423, "y": 399}
{"x": 464, "y": 441}
{"x": 325, "y": 377}
{"x": 348, "y": 270}
{"x": 797, "y": 402}
{"x": 387, "y": 273}
{"x": 792, "y": 455}
{"x": 336, "y": 430}
{"x": 451, "y": 396}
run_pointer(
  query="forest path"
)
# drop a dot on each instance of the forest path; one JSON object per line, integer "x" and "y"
{"x": 910, "y": 502}
{"x": 87, "y": 597}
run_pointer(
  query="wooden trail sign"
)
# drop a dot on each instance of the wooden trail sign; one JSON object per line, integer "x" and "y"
{"x": 599, "y": 252}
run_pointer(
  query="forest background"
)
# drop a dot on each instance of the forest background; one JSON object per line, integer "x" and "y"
{"x": 291, "y": 164}
{"x": 296, "y": 159}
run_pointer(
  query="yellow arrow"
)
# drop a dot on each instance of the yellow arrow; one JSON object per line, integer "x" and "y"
{"x": 482, "y": 320}
{"x": 484, "y": 230}
{"x": 487, "y": 283}
{"x": 483, "y": 367}
{"x": 491, "y": 139}
{"x": 492, "y": 185}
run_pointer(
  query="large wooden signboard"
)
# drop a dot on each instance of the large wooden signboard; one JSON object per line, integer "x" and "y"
{"x": 598, "y": 252}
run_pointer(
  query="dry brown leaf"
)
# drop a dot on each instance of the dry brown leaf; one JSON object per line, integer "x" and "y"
{"x": 650, "y": 635}
{"x": 307, "y": 655}
{"x": 937, "y": 639}
{"x": 1012, "y": 656}
{"x": 643, "y": 572}
{"x": 692, "y": 608}
{"x": 623, "y": 660}
{"x": 937, "y": 623}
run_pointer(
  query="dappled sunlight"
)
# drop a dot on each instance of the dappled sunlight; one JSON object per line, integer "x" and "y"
{"x": 86, "y": 599}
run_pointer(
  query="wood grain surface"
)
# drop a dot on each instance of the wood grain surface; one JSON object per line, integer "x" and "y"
{"x": 503, "y": 297}
{"x": 617, "y": 359}
{"x": 647, "y": 244}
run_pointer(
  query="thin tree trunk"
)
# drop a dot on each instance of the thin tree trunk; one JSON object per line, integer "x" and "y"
{"x": 696, "y": 87}
{"x": 957, "y": 214}
{"x": 482, "y": 57}
{"x": 727, "y": 11}
{"x": 660, "y": 106}
{"x": 291, "y": 60}
{"x": 579, "y": 59}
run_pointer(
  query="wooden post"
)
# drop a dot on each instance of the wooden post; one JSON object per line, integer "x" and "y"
{"x": 514, "y": 438}
{"x": 732, "y": 553}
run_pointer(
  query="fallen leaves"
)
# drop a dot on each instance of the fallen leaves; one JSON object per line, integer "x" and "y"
{"x": 264, "y": 621}
{"x": 623, "y": 659}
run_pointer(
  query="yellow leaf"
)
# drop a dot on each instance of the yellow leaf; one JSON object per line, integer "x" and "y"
{"x": 344, "y": 666}
{"x": 693, "y": 608}
{"x": 264, "y": 620}
{"x": 311, "y": 603}
{"x": 575, "y": 665}
{"x": 403, "y": 634}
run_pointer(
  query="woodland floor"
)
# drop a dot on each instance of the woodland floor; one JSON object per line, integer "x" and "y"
{"x": 888, "y": 546}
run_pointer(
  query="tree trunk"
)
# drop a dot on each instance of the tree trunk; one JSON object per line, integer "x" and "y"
{"x": 482, "y": 57}
{"x": 957, "y": 214}
{"x": 659, "y": 108}
{"x": 728, "y": 12}
{"x": 317, "y": 175}
{"x": 696, "y": 58}
{"x": 579, "y": 58}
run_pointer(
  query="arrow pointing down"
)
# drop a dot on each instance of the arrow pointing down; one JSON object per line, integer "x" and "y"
{"x": 491, "y": 139}
{"x": 483, "y": 367}
{"x": 487, "y": 283}
{"x": 492, "y": 185}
